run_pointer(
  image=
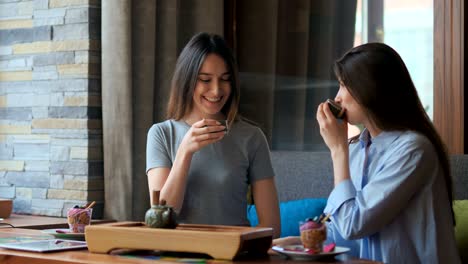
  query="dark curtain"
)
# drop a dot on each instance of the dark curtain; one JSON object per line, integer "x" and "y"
{"x": 285, "y": 51}
{"x": 141, "y": 42}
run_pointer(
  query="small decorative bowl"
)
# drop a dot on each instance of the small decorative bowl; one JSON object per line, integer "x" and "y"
{"x": 6, "y": 206}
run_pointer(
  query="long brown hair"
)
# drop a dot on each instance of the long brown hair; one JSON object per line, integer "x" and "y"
{"x": 186, "y": 75}
{"x": 377, "y": 78}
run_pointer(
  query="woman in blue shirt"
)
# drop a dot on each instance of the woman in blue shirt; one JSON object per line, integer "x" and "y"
{"x": 392, "y": 199}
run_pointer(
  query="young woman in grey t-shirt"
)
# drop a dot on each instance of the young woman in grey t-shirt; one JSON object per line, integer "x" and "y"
{"x": 201, "y": 166}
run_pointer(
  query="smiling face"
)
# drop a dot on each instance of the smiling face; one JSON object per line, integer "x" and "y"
{"x": 212, "y": 89}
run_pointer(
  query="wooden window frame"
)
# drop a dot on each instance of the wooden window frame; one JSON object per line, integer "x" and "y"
{"x": 449, "y": 71}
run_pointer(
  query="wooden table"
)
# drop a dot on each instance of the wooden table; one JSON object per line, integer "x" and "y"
{"x": 41, "y": 222}
{"x": 84, "y": 256}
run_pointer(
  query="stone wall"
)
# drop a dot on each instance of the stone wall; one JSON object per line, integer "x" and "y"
{"x": 50, "y": 105}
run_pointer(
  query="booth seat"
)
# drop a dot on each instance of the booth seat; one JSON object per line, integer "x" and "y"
{"x": 304, "y": 181}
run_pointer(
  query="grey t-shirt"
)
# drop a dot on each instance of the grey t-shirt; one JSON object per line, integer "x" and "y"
{"x": 219, "y": 173}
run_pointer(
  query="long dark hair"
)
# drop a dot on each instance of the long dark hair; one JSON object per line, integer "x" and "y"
{"x": 186, "y": 75}
{"x": 377, "y": 78}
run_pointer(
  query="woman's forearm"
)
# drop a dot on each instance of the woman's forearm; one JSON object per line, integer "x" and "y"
{"x": 340, "y": 158}
{"x": 173, "y": 190}
{"x": 266, "y": 203}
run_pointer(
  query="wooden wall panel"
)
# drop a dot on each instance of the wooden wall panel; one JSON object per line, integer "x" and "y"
{"x": 449, "y": 58}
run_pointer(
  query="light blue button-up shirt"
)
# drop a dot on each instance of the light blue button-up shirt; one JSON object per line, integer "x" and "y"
{"x": 395, "y": 207}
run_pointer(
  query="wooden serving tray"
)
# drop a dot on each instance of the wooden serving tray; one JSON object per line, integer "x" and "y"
{"x": 220, "y": 242}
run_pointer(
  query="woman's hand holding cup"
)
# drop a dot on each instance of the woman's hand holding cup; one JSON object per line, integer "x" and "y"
{"x": 203, "y": 133}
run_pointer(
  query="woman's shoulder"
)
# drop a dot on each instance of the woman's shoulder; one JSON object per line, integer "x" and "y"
{"x": 413, "y": 142}
{"x": 415, "y": 138}
{"x": 166, "y": 126}
{"x": 159, "y": 126}
{"x": 247, "y": 127}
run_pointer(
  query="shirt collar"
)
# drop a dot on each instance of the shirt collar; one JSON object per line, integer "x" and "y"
{"x": 381, "y": 141}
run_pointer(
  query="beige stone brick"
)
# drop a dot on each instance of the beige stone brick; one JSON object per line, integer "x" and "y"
{"x": 31, "y": 139}
{"x": 64, "y": 3}
{"x": 67, "y": 194}
{"x": 9, "y": 76}
{"x": 75, "y": 184}
{"x": 82, "y": 101}
{"x": 19, "y": 23}
{"x": 73, "y": 69}
{"x": 76, "y": 45}
{"x": 78, "y": 153}
{"x": 3, "y": 101}
{"x": 80, "y": 195}
{"x": 24, "y": 193}
{"x": 79, "y": 69}
{"x": 56, "y": 123}
{"x": 48, "y": 46}
{"x": 75, "y": 101}
{"x": 15, "y": 129}
{"x": 11, "y": 165}
{"x": 82, "y": 183}
{"x": 35, "y": 47}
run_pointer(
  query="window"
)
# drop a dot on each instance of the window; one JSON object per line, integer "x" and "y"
{"x": 286, "y": 49}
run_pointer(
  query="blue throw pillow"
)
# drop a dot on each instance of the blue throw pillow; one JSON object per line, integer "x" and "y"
{"x": 291, "y": 212}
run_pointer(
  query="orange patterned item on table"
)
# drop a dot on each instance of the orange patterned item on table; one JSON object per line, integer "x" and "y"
{"x": 79, "y": 217}
{"x": 313, "y": 234}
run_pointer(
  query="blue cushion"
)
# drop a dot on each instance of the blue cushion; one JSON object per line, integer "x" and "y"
{"x": 291, "y": 212}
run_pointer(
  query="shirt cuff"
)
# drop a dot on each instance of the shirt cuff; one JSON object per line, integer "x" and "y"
{"x": 343, "y": 192}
